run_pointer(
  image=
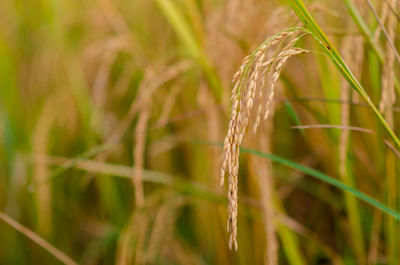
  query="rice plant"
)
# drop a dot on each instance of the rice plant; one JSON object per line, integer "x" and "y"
{"x": 121, "y": 121}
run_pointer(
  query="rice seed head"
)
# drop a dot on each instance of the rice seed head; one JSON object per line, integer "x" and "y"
{"x": 249, "y": 77}
{"x": 282, "y": 58}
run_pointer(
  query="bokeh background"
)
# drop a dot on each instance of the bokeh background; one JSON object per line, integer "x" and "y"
{"x": 96, "y": 92}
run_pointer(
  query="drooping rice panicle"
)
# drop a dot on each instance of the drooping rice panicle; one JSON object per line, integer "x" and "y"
{"x": 246, "y": 81}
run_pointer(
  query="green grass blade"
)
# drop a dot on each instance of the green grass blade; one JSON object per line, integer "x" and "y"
{"x": 290, "y": 245}
{"x": 360, "y": 22}
{"x": 71, "y": 163}
{"x": 329, "y": 49}
{"x": 293, "y": 115}
{"x": 186, "y": 35}
{"x": 181, "y": 27}
{"x": 368, "y": 34}
{"x": 327, "y": 179}
{"x": 318, "y": 175}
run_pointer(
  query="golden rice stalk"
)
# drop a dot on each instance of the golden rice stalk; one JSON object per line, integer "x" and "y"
{"x": 152, "y": 81}
{"x": 388, "y": 94}
{"x": 384, "y": 15}
{"x": 263, "y": 174}
{"x": 353, "y": 52}
{"x": 140, "y": 139}
{"x": 246, "y": 82}
{"x": 41, "y": 137}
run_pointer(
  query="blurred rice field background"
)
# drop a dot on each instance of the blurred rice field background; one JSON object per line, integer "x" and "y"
{"x": 113, "y": 115}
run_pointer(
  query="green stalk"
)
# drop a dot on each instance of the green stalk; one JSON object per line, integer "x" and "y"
{"x": 391, "y": 224}
{"x": 358, "y": 19}
{"x": 303, "y": 14}
{"x": 368, "y": 34}
{"x": 186, "y": 35}
{"x": 391, "y": 228}
{"x": 353, "y": 212}
{"x": 301, "y": 11}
